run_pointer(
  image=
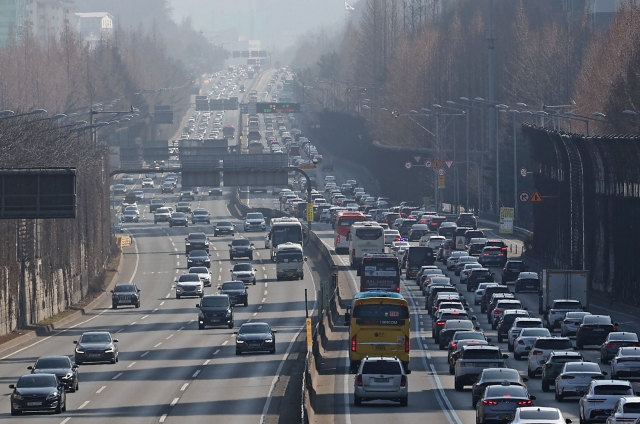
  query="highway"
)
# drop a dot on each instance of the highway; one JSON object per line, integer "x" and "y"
{"x": 432, "y": 395}
{"x": 169, "y": 371}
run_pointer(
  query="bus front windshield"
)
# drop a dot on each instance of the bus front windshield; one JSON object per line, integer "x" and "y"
{"x": 289, "y": 257}
{"x": 286, "y": 234}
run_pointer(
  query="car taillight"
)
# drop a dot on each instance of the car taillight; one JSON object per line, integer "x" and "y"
{"x": 520, "y": 342}
{"x": 435, "y": 308}
{"x": 403, "y": 381}
{"x": 338, "y": 238}
{"x": 441, "y": 323}
{"x": 500, "y": 254}
{"x": 504, "y": 248}
{"x": 537, "y": 352}
{"x": 525, "y": 402}
{"x": 453, "y": 345}
{"x": 503, "y": 323}
{"x": 504, "y": 269}
{"x": 485, "y": 254}
{"x": 610, "y": 345}
{"x": 359, "y": 380}
{"x": 489, "y": 402}
{"x": 567, "y": 377}
{"x": 614, "y": 328}
{"x": 496, "y": 311}
{"x": 406, "y": 344}
{"x": 353, "y": 344}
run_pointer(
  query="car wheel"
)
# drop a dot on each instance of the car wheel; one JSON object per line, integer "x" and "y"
{"x": 272, "y": 351}
{"x": 230, "y": 257}
{"x": 559, "y": 397}
{"x": 458, "y": 385}
{"x": 215, "y": 235}
{"x": 582, "y": 420}
{"x": 603, "y": 360}
{"x": 251, "y": 257}
{"x": 579, "y": 345}
{"x": 177, "y": 296}
{"x": 545, "y": 385}
{"x": 77, "y": 386}
{"x": 516, "y": 356}
{"x": 200, "y": 326}
{"x": 614, "y": 376}
{"x": 509, "y": 347}
{"x": 138, "y": 305}
{"x": 15, "y": 412}
{"x": 530, "y": 373}
{"x": 254, "y": 282}
{"x": 493, "y": 325}
{"x": 246, "y": 303}
{"x": 500, "y": 338}
{"x": 404, "y": 401}
{"x": 231, "y": 325}
{"x": 452, "y": 370}
{"x": 58, "y": 409}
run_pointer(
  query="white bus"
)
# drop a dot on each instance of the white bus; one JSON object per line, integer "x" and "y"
{"x": 283, "y": 230}
{"x": 364, "y": 237}
{"x": 289, "y": 261}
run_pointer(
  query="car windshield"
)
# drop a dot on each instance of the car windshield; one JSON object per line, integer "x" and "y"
{"x": 162, "y": 210}
{"x": 598, "y": 320}
{"x": 195, "y": 253}
{"x": 224, "y": 224}
{"x": 188, "y": 278}
{"x": 481, "y": 354}
{"x": 469, "y": 335}
{"x": 60, "y": 362}
{"x": 479, "y": 273}
{"x": 255, "y": 215}
{"x": 198, "y": 270}
{"x": 157, "y": 201}
{"x": 200, "y": 212}
{"x": 254, "y": 328}
{"x": 215, "y": 301}
{"x": 505, "y": 392}
{"x": 178, "y": 215}
{"x": 623, "y": 337}
{"x": 530, "y": 323}
{"x": 125, "y": 288}
{"x": 582, "y": 367}
{"x": 613, "y": 390}
{"x": 501, "y": 374}
{"x": 629, "y": 351}
{"x": 243, "y": 242}
{"x": 233, "y": 285}
{"x": 197, "y": 236}
{"x": 32, "y": 381}
{"x": 95, "y": 338}
{"x": 539, "y": 414}
{"x": 242, "y": 267}
{"x": 553, "y": 344}
{"x": 631, "y": 408}
{"x": 381, "y": 367}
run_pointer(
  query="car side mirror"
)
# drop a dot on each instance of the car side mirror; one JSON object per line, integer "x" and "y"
{"x": 616, "y": 324}
{"x": 637, "y": 392}
{"x": 111, "y": 291}
{"x": 525, "y": 379}
{"x": 197, "y": 305}
{"x": 138, "y": 290}
{"x": 489, "y": 339}
{"x": 255, "y": 270}
{"x": 12, "y": 386}
{"x": 568, "y": 420}
{"x": 347, "y": 318}
{"x": 474, "y": 318}
{"x": 305, "y": 258}
{"x": 407, "y": 372}
{"x": 604, "y": 373}
{"x": 251, "y": 244}
{"x": 505, "y": 356}
{"x": 75, "y": 342}
{"x": 115, "y": 340}
{"x": 229, "y": 245}
{"x": 575, "y": 348}
{"x": 532, "y": 397}
{"x": 75, "y": 366}
{"x": 29, "y": 367}
{"x": 274, "y": 331}
{"x": 235, "y": 332}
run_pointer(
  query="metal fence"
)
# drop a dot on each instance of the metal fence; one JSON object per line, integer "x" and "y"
{"x": 590, "y": 188}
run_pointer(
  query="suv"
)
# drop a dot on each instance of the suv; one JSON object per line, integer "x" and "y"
{"x": 187, "y": 194}
{"x": 559, "y": 310}
{"x": 236, "y": 290}
{"x": 155, "y": 204}
{"x": 467, "y": 220}
{"x": 125, "y": 294}
{"x": 241, "y": 247}
{"x": 492, "y": 255}
{"x": 244, "y": 272}
{"x": 215, "y": 310}
{"x": 495, "y": 377}
{"x": 527, "y": 281}
{"x": 450, "y": 328}
{"x": 441, "y": 319}
{"x": 600, "y": 399}
{"x": 474, "y": 359}
{"x": 477, "y": 276}
{"x": 502, "y": 305}
{"x": 506, "y": 322}
{"x": 615, "y": 340}
{"x": 594, "y": 330}
{"x": 551, "y": 369}
{"x": 254, "y": 221}
{"x": 183, "y": 207}
{"x": 512, "y": 270}
{"x": 488, "y": 294}
{"x": 519, "y": 323}
{"x": 196, "y": 241}
{"x": 542, "y": 348}
{"x": 189, "y": 285}
{"x": 381, "y": 378}
{"x": 200, "y": 215}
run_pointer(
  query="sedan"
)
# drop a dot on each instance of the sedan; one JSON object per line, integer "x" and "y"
{"x": 237, "y": 292}
{"x": 65, "y": 370}
{"x": 572, "y": 320}
{"x": 183, "y": 207}
{"x": 200, "y": 215}
{"x": 626, "y": 363}
{"x": 147, "y": 183}
{"x": 119, "y": 189}
{"x": 130, "y": 216}
{"x": 127, "y": 179}
{"x": 162, "y": 214}
{"x": 539, "y": 415}
{"x": 390, "y": 236}
{"x": 224, "y": 227}
{"x": 255, "y": 337}
{"x": 493, "y": 377}
{"x": 575, "y": 377}
{"x": 41, "y": 392}
{"x": 204, "y": 274}
{"x": 178, "y": 219}
{"x": 614, "y": 342}
{"x": 499, "y": 402}
{"x": 198, "y": 258}
{"x": 96, "y": 346}
{"x": 523, "y": 343}
{"x": 594, "y": 330}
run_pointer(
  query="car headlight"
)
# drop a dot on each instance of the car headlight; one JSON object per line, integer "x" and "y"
{"x": 187, "y": 244}
{"x": 68, "y": 376}
{"x": 228, "y": 313}
{"x": 109, "y": 350}
{"x": 268, "y": 341}
{"x": 53, "y": 395}
{"x": 239, "y": 341}
{"x": 79, "y": 349}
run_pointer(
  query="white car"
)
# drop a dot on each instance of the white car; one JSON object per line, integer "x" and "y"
{"x": 390, "y": 236}
{"x": 127, "y": 179}
{"x": 396, "y": 246}
{"x": 571, "y": 322}
{"x": 522, "y": 343}
{"x": 480, "y": 291}
{"x": 147, "y": 183}
{"x": 453, "y": 259}
{"x": 132, "y": 208}
{"x": 626, "y": 410}
{"x": 189, "y": 285}
{"x": 519, "y": 324}
{"x": 601, "y": 399}
{"x": 254, "y": 221}
{"x": 626, "y": 363}
{"x": 433, "y": 242}
{"x": 575, "y": 377}
{"x": 541, "y": 349}
{"x": 204, "y": 274}
{"x": 539, "y": 415}
{"x": 466, "y": 272}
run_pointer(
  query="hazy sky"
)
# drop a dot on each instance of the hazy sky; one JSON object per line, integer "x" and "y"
{"x": 277, "y": 23}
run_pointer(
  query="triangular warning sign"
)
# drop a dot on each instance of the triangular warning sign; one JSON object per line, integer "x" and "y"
{"x": 437, "y": 164}
{"x": 417, "y": 158}
{"x": 460, "y": 241}
{"x": 535, "y": 197}
{"x": 449, "y": 163}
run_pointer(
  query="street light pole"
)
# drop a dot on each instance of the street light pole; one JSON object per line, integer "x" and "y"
{"x": 515, "y": 168}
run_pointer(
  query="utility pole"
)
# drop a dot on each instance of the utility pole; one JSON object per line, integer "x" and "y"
{"x": 493, "y": 138}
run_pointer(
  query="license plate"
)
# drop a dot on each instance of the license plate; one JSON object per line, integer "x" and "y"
{"x": 598, "y": 329}
{"x": 381, "y": 380}
{"x": 34, "y": 403}
{"x": 215, "y": 320}
{"x": 289, "y": 274}
{"x": 506, "y": 416}
{"x": 381, "y": 347}
{"x": 125, "y": 301}
{"x": 634, "y": 369}
{"x": 94, "y": 355}
{"x": 581, "y": 388}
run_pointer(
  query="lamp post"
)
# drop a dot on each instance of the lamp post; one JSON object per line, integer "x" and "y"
{"x": 513, "y": 113}
{"x": 9, "y": 114}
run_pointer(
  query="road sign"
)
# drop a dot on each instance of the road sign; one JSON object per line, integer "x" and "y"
{"x": 309, "y": 211}
{"x": 426, "y": 202}
{"x": 427, "y": 163}
{"x": 523, "y": 172}
{"x": 440, "y": 181}
{"x": 309, "y": 333}
{"x": 407, "y": 165}
{"x": 506, "y": 220}
{"x": 417, "y": 158}
{"x": 523, "y": 197}
{"x": 535, "y": 197}
{"x": 441, "y": 172}
{"x": 449, "y": 163}
{"x": 307, "y": 167}
{"x": 245, "y": 108}
{"x": 437, "y": 164}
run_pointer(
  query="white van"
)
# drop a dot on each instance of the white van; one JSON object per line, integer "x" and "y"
{"x": 289, "y": 261}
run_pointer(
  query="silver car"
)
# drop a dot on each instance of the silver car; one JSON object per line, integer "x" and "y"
{"x": 480, "y": 291}
{"x": 519, "y": 324}
{"x": 499, "y": 403}
{"x": 539, "y": 415}
{"x": 524, "y": 341}
{"x": 626, "y": 363}
{"x": 575, "y": 377}
{"x": 381, "y": 379}
{"x": 626, "y": 410}
{"x": 572, "y": 320}
{"x": 466, "y": 271}
{"x": 453, "y": 259}
{"x": 600, "y": 399}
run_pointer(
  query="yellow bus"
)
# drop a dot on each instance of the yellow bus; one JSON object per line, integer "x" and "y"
{"x": 379, "y": 325}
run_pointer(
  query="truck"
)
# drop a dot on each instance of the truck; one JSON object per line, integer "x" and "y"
{"x": 256, "y": 147}
{"x": 561, "y": 284}
{"x": 327, "y": 164}
{"x": 289, "y": 261}
{"x": 228, "y": 131}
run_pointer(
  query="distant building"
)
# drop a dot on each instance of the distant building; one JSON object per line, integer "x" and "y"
{"x": 602, "y": 12}
{"x": 44, "y": 18}
{"x": 94, "y": 26}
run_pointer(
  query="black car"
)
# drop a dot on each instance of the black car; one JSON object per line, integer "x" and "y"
{"x": 506, "y": 322}
{"x": 237, "y": 292}
{"x": 196, "y": 241}
{"x": 178, "y": 219}
{"x": 183, "y": 207}
{"x": 96, "y": 346}
{"x": 125, "y": 295}
{"x": 198, "y": 258}
{"x": 38, "y": 392}
{"x": 187, "y": 194}
{"x": 216, "y": 191}
{"x": 467, "y": 220}
{"x": 512, "y": 270}
{"x": 65, "y": 370}
{"x": 167, "y": 188}
{"x": 417, "y": 257}
{"x": 494, "y": 377}
{"x": 241, "y": 248}
{"x": 614, "y": 342}
{"x": 215, "y": 310}
{"x": 255, "y": 337}
{"x": 594, "y": 330}
{"x": 200, "y": 215}
{"x": 488, "y": 294}
{"x": 477, "y": 276}
{"x": 450, "y": 328}
{"x": 224, "y": 227}
{"x": 155, "y": 204}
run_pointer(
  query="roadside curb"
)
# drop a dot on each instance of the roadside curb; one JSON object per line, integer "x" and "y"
{"x": 49, "y": 328}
